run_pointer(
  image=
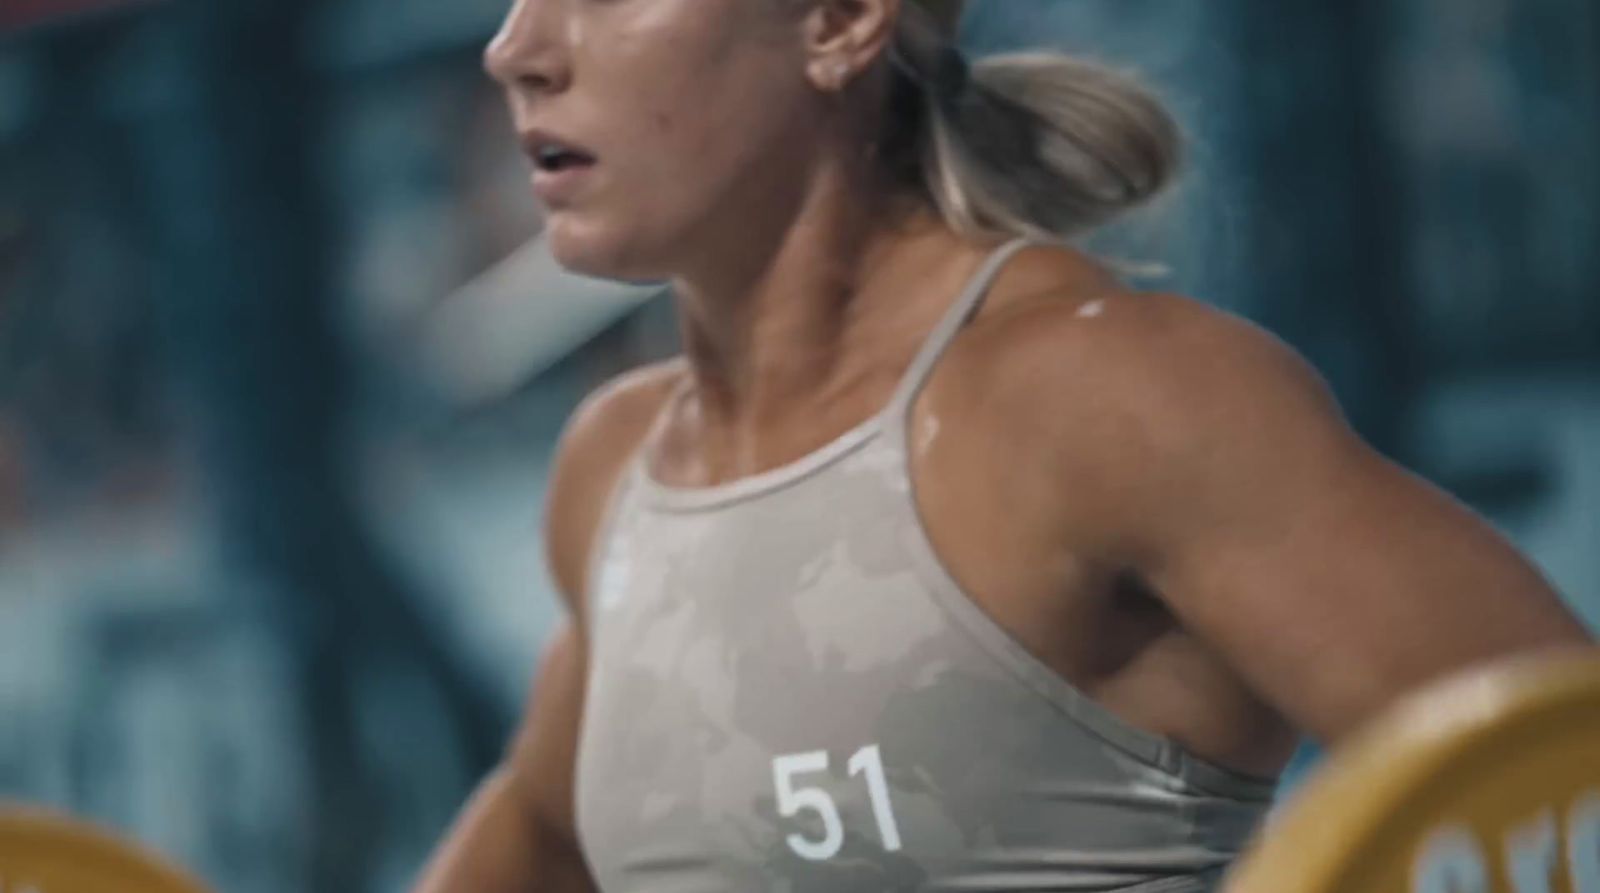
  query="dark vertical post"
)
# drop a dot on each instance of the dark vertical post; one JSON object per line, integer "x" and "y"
{"x": 1328, "y": 249}
{"x": 244, "y": 244}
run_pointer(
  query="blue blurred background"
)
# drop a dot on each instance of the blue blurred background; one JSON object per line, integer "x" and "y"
{"x": 282, "y": 361}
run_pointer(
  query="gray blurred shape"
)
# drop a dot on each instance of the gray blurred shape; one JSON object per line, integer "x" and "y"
{"x": 516, "y": 320}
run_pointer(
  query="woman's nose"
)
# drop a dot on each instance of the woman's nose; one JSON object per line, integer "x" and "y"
{"x": 527, "y": 50}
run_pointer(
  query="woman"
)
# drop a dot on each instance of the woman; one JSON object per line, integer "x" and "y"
{"x": 941, "y": 560}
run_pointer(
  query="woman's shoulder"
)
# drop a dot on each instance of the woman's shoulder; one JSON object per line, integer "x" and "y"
{"x": 1116, "y": 341}
{"x": 600, "y": 438}
{"x": 1116, "y": 377}
{"x": 626, "y": 403}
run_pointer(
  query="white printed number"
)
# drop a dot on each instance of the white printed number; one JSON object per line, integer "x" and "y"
{"x": 794, "y": 800}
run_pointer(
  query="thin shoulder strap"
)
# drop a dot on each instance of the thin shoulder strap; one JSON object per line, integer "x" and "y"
{"x": 961, "y": 312}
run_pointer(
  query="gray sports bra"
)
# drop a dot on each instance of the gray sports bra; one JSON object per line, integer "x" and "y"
{"x": 788, "y": 692}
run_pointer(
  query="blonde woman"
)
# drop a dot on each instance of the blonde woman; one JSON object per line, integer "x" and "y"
{"x": 940, "y": 560}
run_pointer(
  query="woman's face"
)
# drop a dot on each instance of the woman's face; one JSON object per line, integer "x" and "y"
{"x": 657, "y": 126}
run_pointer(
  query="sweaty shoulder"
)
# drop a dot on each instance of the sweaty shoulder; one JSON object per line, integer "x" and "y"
{"x": 1119, "y": 392}
{"x": 1145, "y": 351}
{"x": 599, "y": 439}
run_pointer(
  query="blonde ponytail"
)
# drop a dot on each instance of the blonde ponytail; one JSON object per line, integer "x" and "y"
{"x": 1037, "y": 144}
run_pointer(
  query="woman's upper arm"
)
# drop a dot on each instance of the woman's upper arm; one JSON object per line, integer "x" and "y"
{"x": 1330, "y": 580}
{"x": 539, "y": 765}
{"x": 598, "y": 442}
{"x": 1335, "y": 582}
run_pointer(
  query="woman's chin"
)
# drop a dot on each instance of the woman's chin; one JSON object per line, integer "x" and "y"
{"x": 587, "y": 250}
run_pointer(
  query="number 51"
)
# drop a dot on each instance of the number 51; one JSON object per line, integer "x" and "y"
{"x": 793, "y": 800}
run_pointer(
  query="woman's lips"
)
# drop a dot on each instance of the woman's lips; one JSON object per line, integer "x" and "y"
{"x": 559, "y": 185}
{"x": 561, "y": 164}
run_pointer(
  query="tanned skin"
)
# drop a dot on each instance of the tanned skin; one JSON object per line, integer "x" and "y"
{"x": 1160, "y": 501}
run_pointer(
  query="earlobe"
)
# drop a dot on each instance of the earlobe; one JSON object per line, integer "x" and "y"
{"x": 831, "y": 75}
{"x": 837, "y": 74}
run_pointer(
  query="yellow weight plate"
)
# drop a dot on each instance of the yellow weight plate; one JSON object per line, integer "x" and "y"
{"x": 1486, "y": 783}
{"x": 45, "y": 853}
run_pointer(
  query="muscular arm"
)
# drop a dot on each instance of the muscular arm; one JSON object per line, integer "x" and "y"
{"x": 1211, "y": 461}
{"x": 518, "y": 833}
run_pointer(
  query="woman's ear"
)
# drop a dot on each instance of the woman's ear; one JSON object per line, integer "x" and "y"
{"x": 845, "y": 37}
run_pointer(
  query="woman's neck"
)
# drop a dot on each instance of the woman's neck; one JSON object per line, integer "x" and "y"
{"x": 828, "y": 303}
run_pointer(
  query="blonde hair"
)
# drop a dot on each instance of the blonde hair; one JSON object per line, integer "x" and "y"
{"x": 1036, "y": 144}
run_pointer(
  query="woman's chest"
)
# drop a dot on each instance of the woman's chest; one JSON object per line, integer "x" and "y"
{"x": 744, "y": 724}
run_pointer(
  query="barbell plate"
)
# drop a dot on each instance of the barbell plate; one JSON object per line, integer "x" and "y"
{"x": 42, "y": 852}
{"x": 1484, "y": 783}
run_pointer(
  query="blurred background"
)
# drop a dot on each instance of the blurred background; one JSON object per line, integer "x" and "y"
{"x": 282, "y": 362}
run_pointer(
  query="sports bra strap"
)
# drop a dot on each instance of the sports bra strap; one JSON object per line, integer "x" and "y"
{"x": 961, "y": 312}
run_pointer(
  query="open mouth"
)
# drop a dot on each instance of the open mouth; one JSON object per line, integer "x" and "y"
{"x": 554, "y": 159}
